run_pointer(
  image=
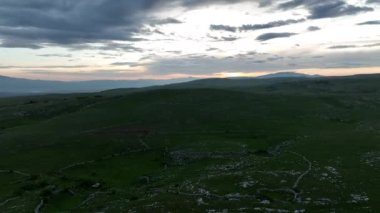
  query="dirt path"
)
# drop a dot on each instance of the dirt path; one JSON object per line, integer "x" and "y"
{"x": 145, "y": 145}
{"x": 39, "y": 206}
{"x": 7, "y": 201}
{"x": 15, "y": 172}
{"x": 299, "y": 179}
{"x": 91, "y": 197}
{"x": 76, "y": 164}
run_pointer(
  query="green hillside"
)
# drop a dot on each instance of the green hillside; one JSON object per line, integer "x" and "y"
{"x": 290, "y": 145}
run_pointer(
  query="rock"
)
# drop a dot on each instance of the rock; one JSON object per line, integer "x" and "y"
{"x": 359, "y": 198}
{"x": 200, "y": 202}
{"x": 96, "y": 185}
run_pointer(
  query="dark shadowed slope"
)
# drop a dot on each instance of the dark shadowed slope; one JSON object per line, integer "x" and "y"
{"x": 314, "y": 147}
{"x": 352, "y": 84}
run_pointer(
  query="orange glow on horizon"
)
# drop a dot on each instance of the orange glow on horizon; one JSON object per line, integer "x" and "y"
{"x": 140, "y": 73}
{"x": 312, "y": 71}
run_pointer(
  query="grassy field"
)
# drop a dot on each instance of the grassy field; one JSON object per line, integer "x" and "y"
{"x": 307, "y": 145}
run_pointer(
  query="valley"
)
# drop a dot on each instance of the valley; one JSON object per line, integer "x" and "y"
{"x": 243, "y": 145}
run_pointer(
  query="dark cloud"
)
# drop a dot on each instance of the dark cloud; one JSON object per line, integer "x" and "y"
{"x": 259, "y": 61}
{"x": 122, "y": 63}
{"x": 64, "y": 22}
{"x": 372, "y": 45}
{"x": 212, "y": 49}
{"x": 14, "y": 43}
{"x": 353, "y": 46}
{"x": 375, "y": 22}
{"x": 273, "y": 24}
{"x": 336, "y": 9}
{"x": 373, "y": 1}
{"x": 37, "y": 23}
{"x": 251, "y": 53}
{"x": 197, "y": 3}
{"x": 106, "y": 46}
{"x": 177, "y": 52}
{"x": 150, "y": 31}
{"x": 230, "y": 38}
{"x": 157, "y": 31}
{"x": 261, "y": 3}
{"x": 253, "y": 27}
{"x": 223, "y": 28}
{"x": 313, "y": 28}
{"x": 325, "y": 9}
{"x": 223, "y": 38}
{"x": 131, "y": 64}
{"x": 120, "y": 47}
{"x": 275, "y": 58}
{"x": 342, "y": 46}
{"x": 292, "y": 4}
{"x": 43, "y": 67}
{"x": 269, "y": 36}
{"x": 56, "y": 55}
{"x": 71, "y": 23}
{"x": 264, "y": 3}
{"x": 165, "y": 21}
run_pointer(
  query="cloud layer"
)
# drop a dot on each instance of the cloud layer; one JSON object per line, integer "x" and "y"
{"x": 154, "y": 36}
{"x": 32, "y": 23}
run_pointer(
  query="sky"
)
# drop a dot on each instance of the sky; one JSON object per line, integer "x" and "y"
{"x": 163, "y": 39}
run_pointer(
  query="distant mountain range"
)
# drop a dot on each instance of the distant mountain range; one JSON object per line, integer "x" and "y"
{"x": 18, "y": 86}
{"x": 239, "y": 82}
{"x": 288, "y": 75}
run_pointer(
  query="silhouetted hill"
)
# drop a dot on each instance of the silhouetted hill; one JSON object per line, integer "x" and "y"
{"x": 18, "y": 86}
{"x": 308, "y": 84}
{"x": 287, "y": 75}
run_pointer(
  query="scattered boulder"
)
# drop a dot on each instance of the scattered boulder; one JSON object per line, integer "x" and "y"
{"x": 96, "y": 185}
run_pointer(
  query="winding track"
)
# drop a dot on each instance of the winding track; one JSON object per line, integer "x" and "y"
{"x": 39, "y": 206}
{"x": 7, "y": 201}
{"x": 15, "y": 172}
{"x": 299, "y": 179}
